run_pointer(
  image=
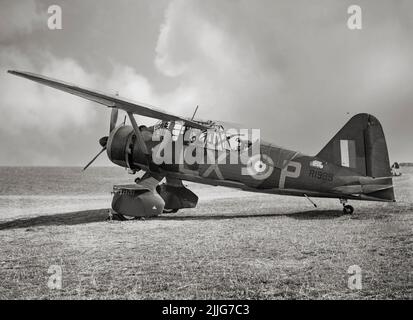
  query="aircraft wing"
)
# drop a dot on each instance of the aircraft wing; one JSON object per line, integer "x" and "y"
{"x": 112, "y": 101}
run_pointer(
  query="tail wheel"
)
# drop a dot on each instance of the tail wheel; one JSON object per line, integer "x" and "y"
{"x": 347, "y": 209}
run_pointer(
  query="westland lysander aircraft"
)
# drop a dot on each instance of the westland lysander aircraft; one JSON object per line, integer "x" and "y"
{"x": 353, "y": 165}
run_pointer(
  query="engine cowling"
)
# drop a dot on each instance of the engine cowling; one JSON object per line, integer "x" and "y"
{"x": 122, "y": 148}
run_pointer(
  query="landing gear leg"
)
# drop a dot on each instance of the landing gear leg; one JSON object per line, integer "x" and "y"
{"x": 347, "y": 209}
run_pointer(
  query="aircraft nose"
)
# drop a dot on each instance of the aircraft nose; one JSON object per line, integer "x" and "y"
{"x": 103, "y": 141}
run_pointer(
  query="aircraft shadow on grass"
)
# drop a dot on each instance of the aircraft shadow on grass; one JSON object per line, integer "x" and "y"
{"x": 99, "y": 215}
{"x": 70, "y": 218}
{"x": 299, "y": 215}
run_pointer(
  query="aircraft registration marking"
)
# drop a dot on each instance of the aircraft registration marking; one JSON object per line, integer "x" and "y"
{"x": 320, "y": 175}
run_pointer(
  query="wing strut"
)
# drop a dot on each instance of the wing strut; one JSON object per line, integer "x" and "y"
{"x": 139, "y": 136}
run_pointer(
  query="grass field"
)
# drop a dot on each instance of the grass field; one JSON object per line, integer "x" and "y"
{"x": 236, "y": 245}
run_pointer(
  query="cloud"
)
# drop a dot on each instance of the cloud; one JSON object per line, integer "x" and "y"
{"x": 271, "y": 64}
{"x": 212, "y": 66}
{"x": 293, "y": 72}
{"x": 27, "y": 105}
{"x": 32, "y": 113}
{"x": 19, "y": 17}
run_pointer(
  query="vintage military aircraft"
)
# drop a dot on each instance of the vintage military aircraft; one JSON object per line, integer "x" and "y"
{"x": 353, "y": 165}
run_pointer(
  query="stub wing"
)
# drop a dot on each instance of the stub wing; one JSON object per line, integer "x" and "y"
{"x": 112, "y": 101}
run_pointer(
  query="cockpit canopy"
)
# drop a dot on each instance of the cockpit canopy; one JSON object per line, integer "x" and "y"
{"x": 217, "y": 137}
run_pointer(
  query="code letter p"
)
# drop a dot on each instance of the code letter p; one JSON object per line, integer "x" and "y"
{"x": 291, "y": 170}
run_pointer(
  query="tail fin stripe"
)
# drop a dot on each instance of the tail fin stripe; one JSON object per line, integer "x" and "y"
{"x": 348, "y": 153}
{"x": 344, "y": 150}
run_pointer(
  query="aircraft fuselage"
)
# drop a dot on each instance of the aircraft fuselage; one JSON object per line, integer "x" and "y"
{"x": 283, "y": 171}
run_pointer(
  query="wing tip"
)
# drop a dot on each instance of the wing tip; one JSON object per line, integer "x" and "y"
{"x": 27, "y": 75}
{"x": 15, "y": 72}
{"x": 21, "y": 73}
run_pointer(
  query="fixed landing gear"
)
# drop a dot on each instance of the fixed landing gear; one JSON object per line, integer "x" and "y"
{"x": 120, "y": 217}
{"x": 347, "y": 209}
{"x": 170, "y": 210}
{"x": 125, "y": 218}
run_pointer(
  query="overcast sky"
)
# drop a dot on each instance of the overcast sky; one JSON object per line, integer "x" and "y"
{"x": 291, "y": 68}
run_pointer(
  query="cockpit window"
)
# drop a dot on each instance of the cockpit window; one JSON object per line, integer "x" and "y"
{"x": 177, "y": 129}
{"x": 216, "y": 138}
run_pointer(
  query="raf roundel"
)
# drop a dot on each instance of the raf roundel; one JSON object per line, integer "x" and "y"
{"x": 260, "y": 166}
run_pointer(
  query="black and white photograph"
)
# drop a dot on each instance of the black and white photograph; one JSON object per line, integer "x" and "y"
{"x": 218, "y": 151}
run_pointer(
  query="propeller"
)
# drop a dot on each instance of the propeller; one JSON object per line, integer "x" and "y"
{"x": 104, "y": 140}
{"x": 94, "y": 158}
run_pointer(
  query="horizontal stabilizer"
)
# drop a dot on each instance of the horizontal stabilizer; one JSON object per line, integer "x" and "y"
{"x": 361, "y": 189}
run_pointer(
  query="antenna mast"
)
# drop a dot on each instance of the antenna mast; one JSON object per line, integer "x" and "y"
{"x": 196, "y": 109}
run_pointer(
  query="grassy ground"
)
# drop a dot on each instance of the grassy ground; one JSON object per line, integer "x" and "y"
{"x": 241, "y": 245}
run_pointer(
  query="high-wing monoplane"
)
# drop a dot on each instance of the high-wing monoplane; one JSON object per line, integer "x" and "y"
{"x": 354, "y": 165}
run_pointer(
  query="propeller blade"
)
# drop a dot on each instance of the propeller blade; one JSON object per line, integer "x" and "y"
{"x": 113, "y": 119}
{"x": 95, "y": 157}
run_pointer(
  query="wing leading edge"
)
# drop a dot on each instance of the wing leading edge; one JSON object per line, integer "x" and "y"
{"x": 112, "y": 101}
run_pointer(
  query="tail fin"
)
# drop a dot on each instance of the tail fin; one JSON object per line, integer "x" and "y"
{"x": 361, "y": 146}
